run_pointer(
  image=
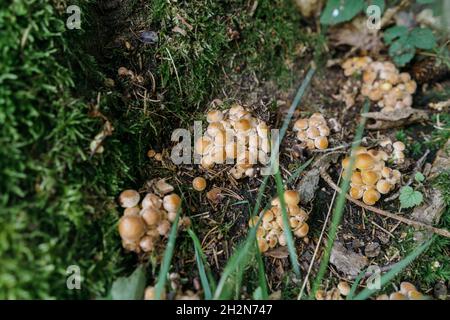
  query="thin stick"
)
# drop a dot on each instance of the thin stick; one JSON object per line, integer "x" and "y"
{"x": 441, "y": 232}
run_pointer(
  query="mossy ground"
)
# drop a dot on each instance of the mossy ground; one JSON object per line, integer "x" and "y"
{"x": 57, "y": 203}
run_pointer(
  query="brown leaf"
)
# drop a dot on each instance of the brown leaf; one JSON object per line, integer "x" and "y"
{"x": 214, "y": 195}
{"x": 396, "y": 118}
{"x": 278, "y": 253}
{"x": 356, "y": 34}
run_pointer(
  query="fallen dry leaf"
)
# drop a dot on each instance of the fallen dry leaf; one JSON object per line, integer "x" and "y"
{"x": 347, "y": 261}
{"x": 394, "y": 119}
{"x": 356, "y": 34}
{"x": 278, "y": 253}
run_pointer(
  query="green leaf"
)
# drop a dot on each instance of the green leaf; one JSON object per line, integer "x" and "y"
{"x": 422, "y": 38}
{"x": 419, "y": 177}
{"x": 425, "y": 1}
{"x": 130, "y": 288}
{"x": 337, "y": 11}
{"x": 401, "y": 52}
{"x": 410, "y": 197}
{"x": 380, "y": 3}
{"x": 393, "y": 33}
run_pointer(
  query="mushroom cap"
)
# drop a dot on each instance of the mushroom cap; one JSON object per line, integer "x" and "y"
{"x": 151, "y": 200}
{"x": 131, "y": 228}
{"x": 214, "y": 116}
{"x": 207, "y": 162}
{"x": 364, "y": 161}
{"x": 263, "y": 245}
{"x": 398, "y": 146}
{"x": 275, "y": 202}
{"x": 147, "y": 244}
{"x": 370, "y": 177}
{"x": 301, "y": 124}
{"x": 406, "y": 287}
{"x": 291, "y": 197}
{"x": 302, "y": 231}
{"x": 242, "y": 125}
{"x": 415, "y": 295}
{"x": 151, "y": 216}
{"x": 312, "y": 132}
{"x": 268, "y": 216}
{"x": 321, "y": 143}
{"x": 324, "y": 130}
{"x": 344, "y": 288}
{"x": 301, "y": 135}
{"x": 172, "y": 202}
{"x": 356, "y": 178}
{"x": 163, "y": 228}
{"x": 163, "y": 187}
{"x": 214, "y": 128}
{"x": 383, "y": 186}
{"x": 199, "y": 183}
{"x": 356, "y": 192}
{"x": 129, "y": 198}
{"x": 371, "y": 196}
{"x": 397, "y": 296}
{"x": 203, "y": 145}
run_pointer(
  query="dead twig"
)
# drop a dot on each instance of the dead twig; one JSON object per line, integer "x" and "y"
{"x": 441, "y": 232}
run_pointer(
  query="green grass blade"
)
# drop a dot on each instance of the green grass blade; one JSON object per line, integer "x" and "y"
{"x": 388, "y": 276}
{"x": 355, "y": 285}
{"x": 167, "y": 258}
{"x": 339, "y": 207}
{"x": 200, "y": 258}
{"x": 299, "y": 170}
{"x": 287, "y": 229}
{"x": 262, "y": 275}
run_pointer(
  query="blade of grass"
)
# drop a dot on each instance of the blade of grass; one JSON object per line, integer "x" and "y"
{"x": 262, "y": 275}
{"x": 339, "y": 207}
{"x": 200, "y": 258}
{"x": 287, "y": 229}
{"x": 299, "y": 170}
{"x": 388, "y": 276}
{"x": 167, "y": 258}
{"x": 355, "y": 285}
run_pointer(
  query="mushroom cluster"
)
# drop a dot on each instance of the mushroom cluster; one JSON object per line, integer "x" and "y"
{"x": 313, "y": 132}
{"x": 234, "y": 136}
{"x": 370, "y": 176}
{"x": 270, "y": 230}
{"x": 407, "y": 292}
{"x": 337, "y": 293}
{"x": 382, "y": 82}
{"x": 395, "y": 150}
{"x": 145, "y": 223}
